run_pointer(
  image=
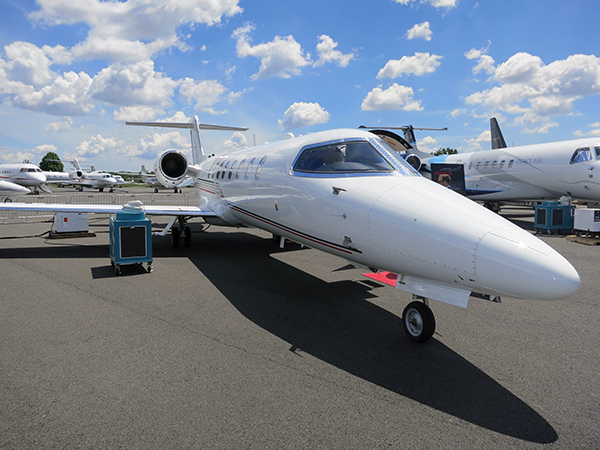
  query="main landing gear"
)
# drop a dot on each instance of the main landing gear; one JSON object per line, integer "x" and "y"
{"x": 181, "y": 233}
{"x": 418, "y": 320}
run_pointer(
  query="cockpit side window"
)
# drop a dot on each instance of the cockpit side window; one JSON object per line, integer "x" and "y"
{"x": 343, "y": 157}
{"x": 597, "y": 153}
{"x": 581, "y": 155}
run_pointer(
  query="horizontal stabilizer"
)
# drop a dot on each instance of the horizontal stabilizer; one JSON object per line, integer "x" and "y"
{"x": 202, "y": 126}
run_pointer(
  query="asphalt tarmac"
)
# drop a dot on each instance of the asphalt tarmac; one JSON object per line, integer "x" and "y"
{"x": 236, "y": 343}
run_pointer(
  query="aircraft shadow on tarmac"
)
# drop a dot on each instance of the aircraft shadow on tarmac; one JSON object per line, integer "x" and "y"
{"x": 336, "y": 323}
{"x": 65, "y": 250}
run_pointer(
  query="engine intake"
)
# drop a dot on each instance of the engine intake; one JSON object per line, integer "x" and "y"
{"x": 170, "y": 168}
{"x": 412, "y": 159}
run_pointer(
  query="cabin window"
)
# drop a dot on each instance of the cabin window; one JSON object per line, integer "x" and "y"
{"x": 494, "y": 164}
{"x": 510, "y": 163}
{"x": 237, "y": 174}
{"x": 260, "y": 164}
{"x": 470, "y": 165}
{"x": 487, "y": 163}
{"x": 502, "y": 164}
{"x": 231, "y": 172}
{"x": 343, "y": 157}
{"x": 248, "y": 168}
{"x": 478, "y": 165}
{"x": 581, "y": 155}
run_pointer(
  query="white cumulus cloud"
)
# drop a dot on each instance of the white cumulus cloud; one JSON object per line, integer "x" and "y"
{"x": 302, "y": 114}
{"x": 420, "y": 31}
{"x": 119, "y": 29}
{"x": 419, "y": 64}
{"x": 534, "y": 91}
{"x": 328, "y": 53}
{"x": 282, "y": 57}
{"x": 435, "y": 3}
{"x": 395, "y": 98}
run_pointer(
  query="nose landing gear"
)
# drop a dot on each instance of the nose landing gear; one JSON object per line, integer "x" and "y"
{"x": 418, "y": 321}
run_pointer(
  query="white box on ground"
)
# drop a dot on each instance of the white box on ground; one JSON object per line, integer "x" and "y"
{"x": 70, "y": 222}
{"x": 587, "y": 219}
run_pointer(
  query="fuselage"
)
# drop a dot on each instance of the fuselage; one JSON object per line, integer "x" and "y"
{"x": 24, "y": 174}
{"x": 381, "y": 215}
{"x": 97, "y": 180}
{"x": 532, "y": 172}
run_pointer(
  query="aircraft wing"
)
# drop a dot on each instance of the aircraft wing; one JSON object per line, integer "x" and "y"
{"x": 158, "y": 210}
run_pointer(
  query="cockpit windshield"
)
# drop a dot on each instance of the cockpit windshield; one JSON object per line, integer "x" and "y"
{"x": 352, "y": 157}
{"x": 582, "y": 154}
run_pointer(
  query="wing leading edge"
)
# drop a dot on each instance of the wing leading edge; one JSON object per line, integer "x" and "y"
{"x": 190, "y": 211}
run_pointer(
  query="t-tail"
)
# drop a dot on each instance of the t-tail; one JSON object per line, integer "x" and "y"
{"x": 194, "y": 126}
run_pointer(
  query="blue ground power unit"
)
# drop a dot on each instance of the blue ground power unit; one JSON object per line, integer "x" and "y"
{"x": 554, "y": 217}
{"x": 130, "y": 239}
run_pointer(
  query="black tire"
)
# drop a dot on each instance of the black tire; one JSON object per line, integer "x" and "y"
{"x": 418, "y": 321}
{"x": 187, "y": 238}
{"x": 175, "y": 237}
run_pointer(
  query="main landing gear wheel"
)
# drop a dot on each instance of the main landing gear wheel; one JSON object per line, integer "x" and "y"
{"x": 175, "y": 237}
{"x": 418, "y": 321}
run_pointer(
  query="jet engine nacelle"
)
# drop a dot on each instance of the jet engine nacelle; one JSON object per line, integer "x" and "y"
{"x": 413, "y": 160}
{"x": 75, "y": 174}
{"x": 170, "y": 168}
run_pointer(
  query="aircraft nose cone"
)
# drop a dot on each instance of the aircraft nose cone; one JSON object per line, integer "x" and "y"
{"x": 517, "y": 264}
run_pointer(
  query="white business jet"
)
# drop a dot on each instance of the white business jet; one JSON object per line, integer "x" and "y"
{"x": 529, "y": 172}
{"x": 24, "y": 174}
{"x": 95, "y": 179}
{"x": 345, "y": 192}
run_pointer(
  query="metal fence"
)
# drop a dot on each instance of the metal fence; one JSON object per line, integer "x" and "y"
{"x": 92, "y": 199}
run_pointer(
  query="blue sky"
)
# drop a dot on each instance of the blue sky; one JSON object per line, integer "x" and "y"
{"x": 72, "y": 73}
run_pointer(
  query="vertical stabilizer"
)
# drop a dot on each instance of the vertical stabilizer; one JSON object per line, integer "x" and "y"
{"x": 497, "y": 138}
{"x": 194, "y": 126}
{"x": 197, "y": 150}
{"x": 76, "y": 165}
{"x": 409, "y": 135}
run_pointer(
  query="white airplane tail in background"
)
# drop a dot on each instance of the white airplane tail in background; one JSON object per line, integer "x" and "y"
{"x": 194, "y": 126}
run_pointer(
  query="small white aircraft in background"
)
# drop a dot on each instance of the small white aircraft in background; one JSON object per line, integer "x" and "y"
{"x": 95, "y": 179}
{"x": 24, "y": 174}
{"x": 347, "y": 193}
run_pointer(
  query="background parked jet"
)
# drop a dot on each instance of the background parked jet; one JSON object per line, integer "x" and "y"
{"x": 530, "y": 172}
{"x": 346, "y": 192}
{"x": 95, "y": 179}
{"x": 24, "y": 174}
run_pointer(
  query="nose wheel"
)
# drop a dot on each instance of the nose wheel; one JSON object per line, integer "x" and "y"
{"x": 418, "y": 321}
